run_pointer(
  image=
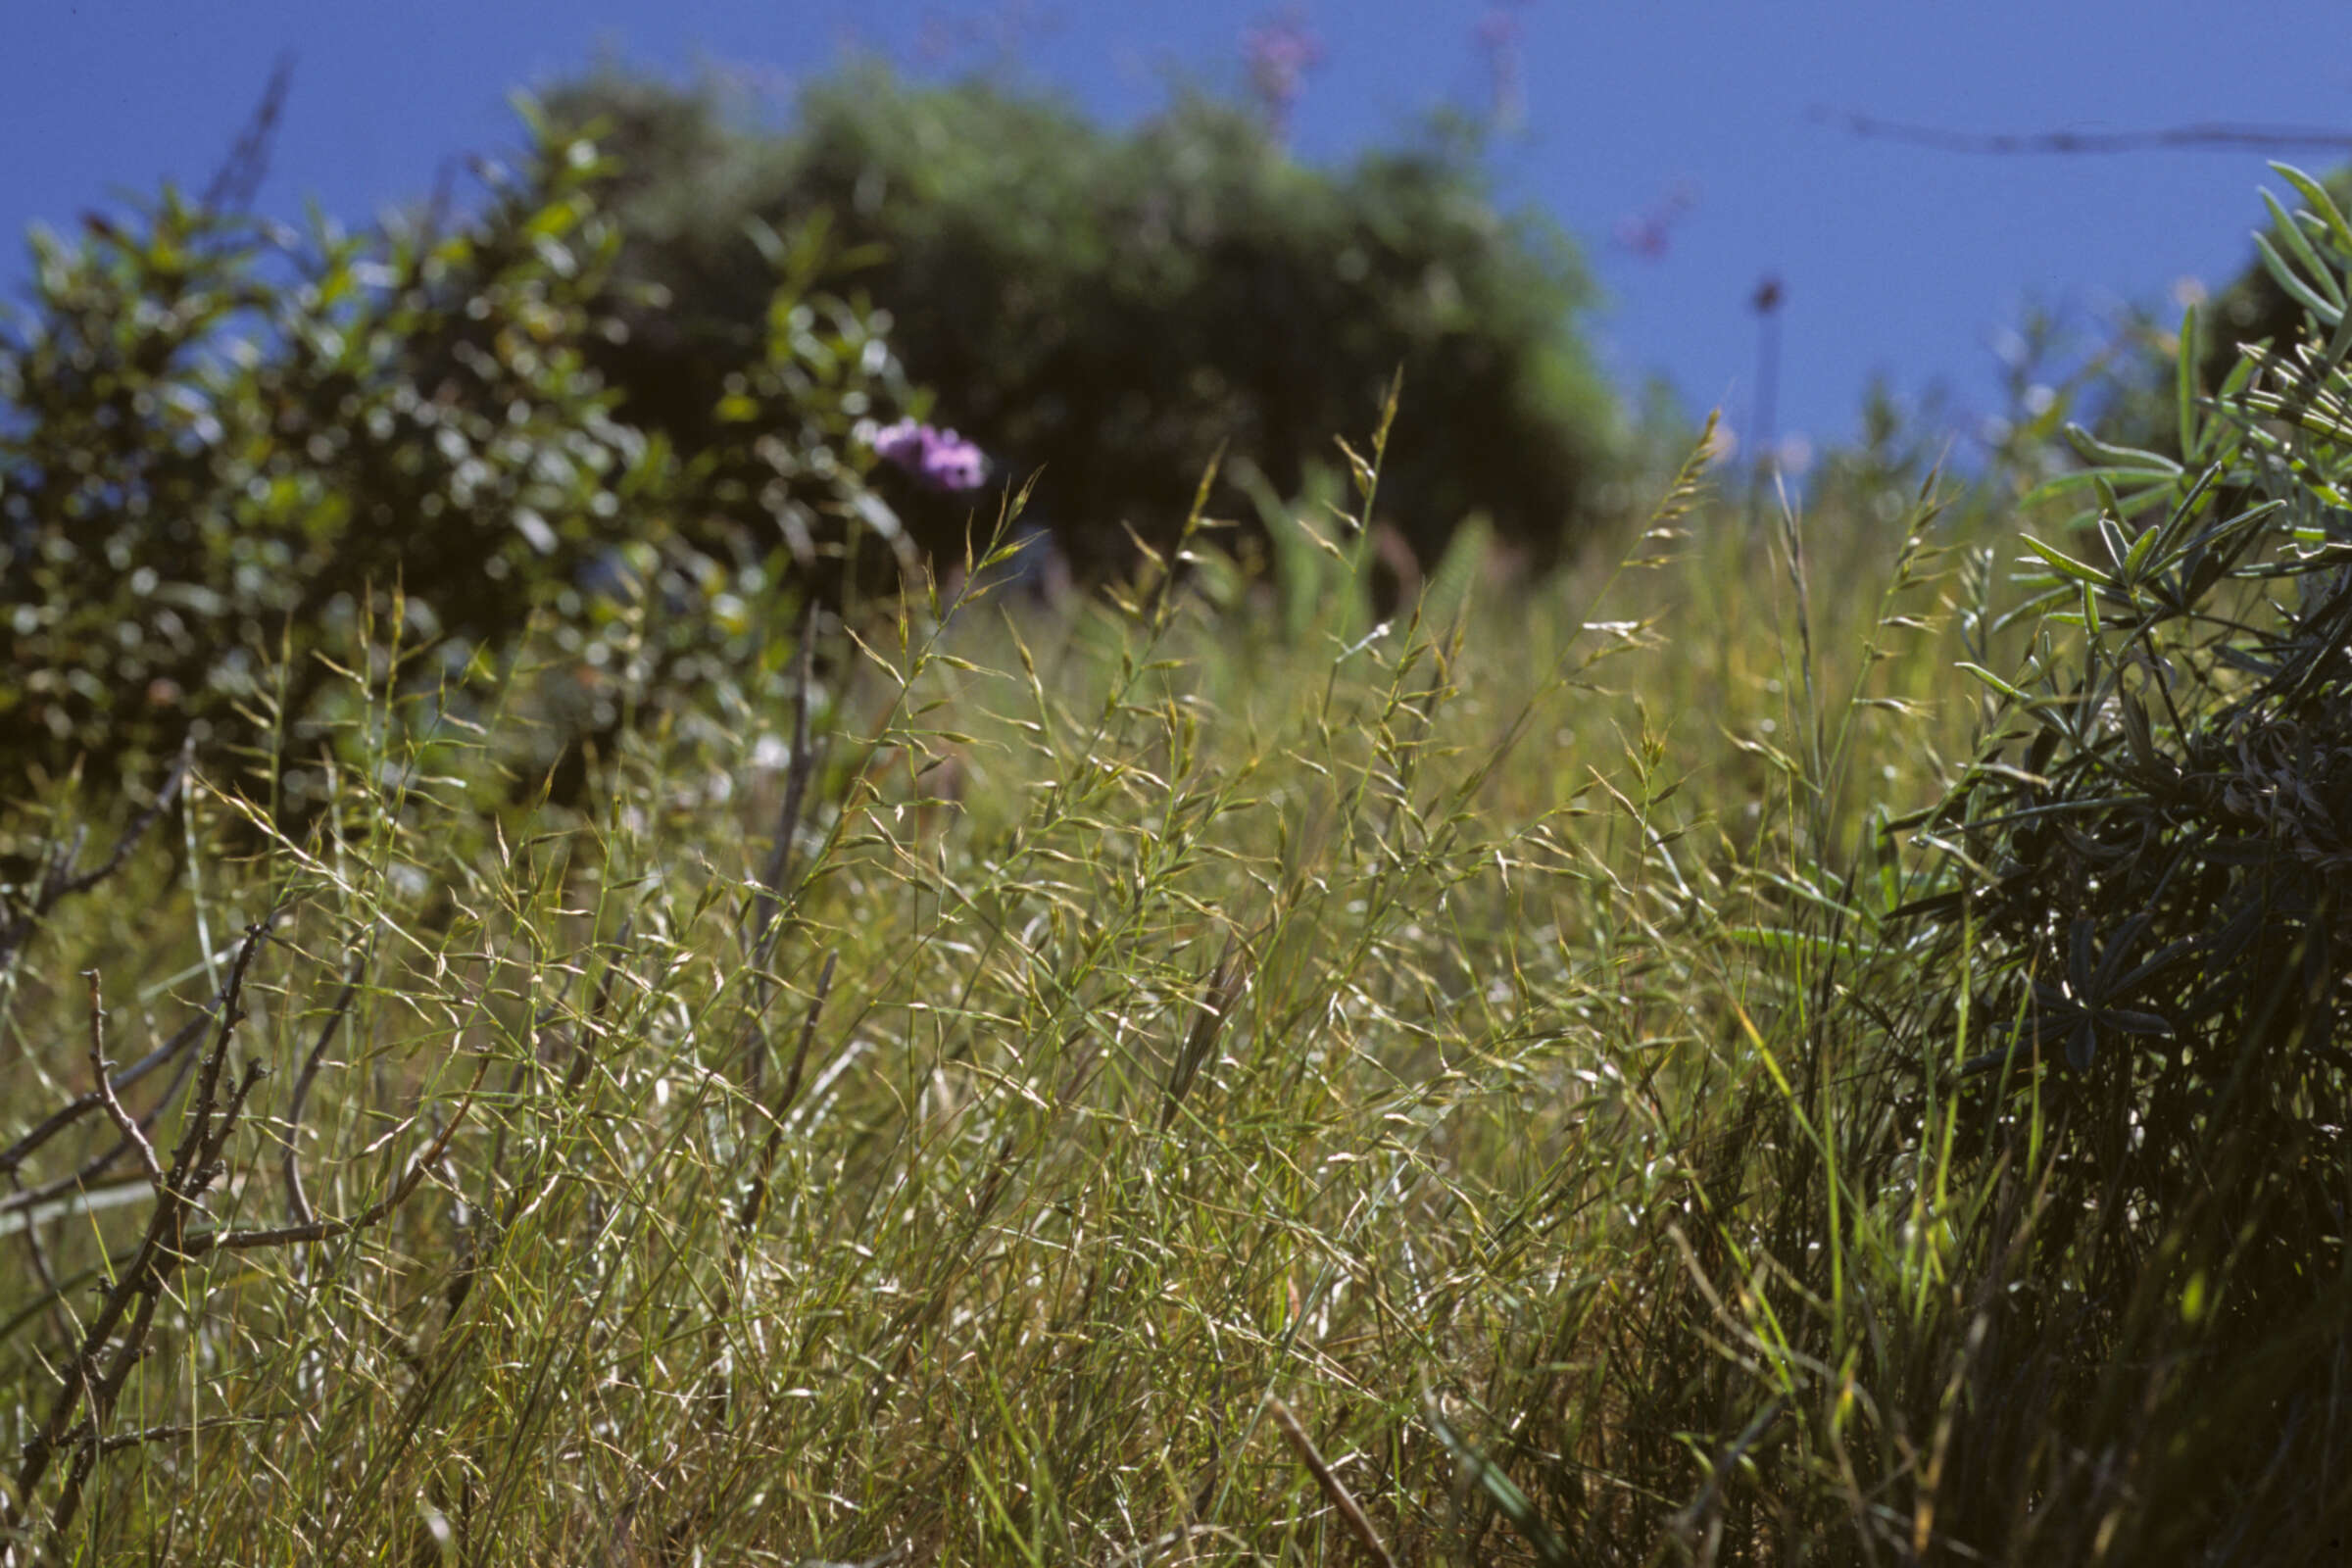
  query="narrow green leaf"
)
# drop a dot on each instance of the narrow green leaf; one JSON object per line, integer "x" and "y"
{"x": 2321, "y": 274}
{"x": 2275, "y": 265}
{"x": 1509, "y": 1502}
{"x": 2111, "y": 536}
{"x": 2135, "y": 560}
{"x": 2079, "y": 570}
{"x": 1993, "y": 681}
{"x": 2129, "y": 459}
{"x": 2315, "y": 193}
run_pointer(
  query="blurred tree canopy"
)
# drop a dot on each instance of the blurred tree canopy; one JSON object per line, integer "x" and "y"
{"x": 1115, "y": 307}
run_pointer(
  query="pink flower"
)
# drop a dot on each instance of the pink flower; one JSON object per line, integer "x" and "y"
{"x": 1498, "y": 35}
{"x": 1648, "y": 233}
{"x": 1279, "y": 54}
{"x": 941, "y": 460}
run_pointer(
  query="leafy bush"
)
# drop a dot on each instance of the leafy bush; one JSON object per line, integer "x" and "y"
{"x": 224, "y": 449}
{"x": 2157, "y": 860}
{"x": 2129, "y": 986}
{"x": 1115, "y": 307}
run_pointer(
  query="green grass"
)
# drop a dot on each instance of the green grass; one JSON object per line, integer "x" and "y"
{"x": 1468, "y": 1034}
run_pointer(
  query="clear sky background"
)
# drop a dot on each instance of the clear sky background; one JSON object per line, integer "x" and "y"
{"x": 1896, "y": 258}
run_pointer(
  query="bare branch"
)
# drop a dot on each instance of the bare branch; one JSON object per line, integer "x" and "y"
{"x": 104, "y": 1091}
{"x": 764, "y": 926}
{"x": 239, "y": 178}
{"x": 14, "y": 1157}
{"x": 30, "y": 1198}
{"x": 1333, "y": 1489}
{"x": 198, "y": 1242}
{"x": 759, "y": 934}
{"x": 179, "y": 1432}
{"x": 583, "y": 1056}
{"x": 800, "y": 1056}
{"x": 718, "y": 1394}
{"x": 196, "y": 1143}
{"x": 2203, "y": 136}
{"x": 54, "y": 1295}
{"x": 757, "y": 1197}
{"x": 110, "y": 1345}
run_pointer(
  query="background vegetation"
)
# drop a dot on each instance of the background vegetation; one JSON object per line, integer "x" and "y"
{"x": 1114, "y": 309}
{"x": 622, "y": 1017}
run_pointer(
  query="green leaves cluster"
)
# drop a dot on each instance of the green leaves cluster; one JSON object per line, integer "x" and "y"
{"x": 236, "y": 461}
{"x": 2254, "y": 307}
{"x": 2146, "y": 860}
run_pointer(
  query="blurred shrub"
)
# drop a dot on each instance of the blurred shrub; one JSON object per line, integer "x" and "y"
{"x": 228, "y": 454}
{"x": 1114, "y": 307}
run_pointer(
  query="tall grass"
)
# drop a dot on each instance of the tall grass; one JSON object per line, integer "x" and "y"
{"x": 1021, "y": 1104}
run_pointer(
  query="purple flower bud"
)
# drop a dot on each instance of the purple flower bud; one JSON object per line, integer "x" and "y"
{"x": 1279, "y": 53}
{"x": 941, "y": 460}
{"x": 1497, "y": 30}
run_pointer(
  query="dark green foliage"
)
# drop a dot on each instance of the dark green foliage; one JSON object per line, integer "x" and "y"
{"x": 1116, "y": 307}
{"x": 2160, "y": 844}
{"x": 2146, "y": 905}
{"x": 229, "y": 456}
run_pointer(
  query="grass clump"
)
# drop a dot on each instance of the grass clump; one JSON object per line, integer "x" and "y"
{"x": 1216, "y": 1016}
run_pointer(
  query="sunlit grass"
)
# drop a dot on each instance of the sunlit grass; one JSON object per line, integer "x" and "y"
{"x": 1464, "y": 1030}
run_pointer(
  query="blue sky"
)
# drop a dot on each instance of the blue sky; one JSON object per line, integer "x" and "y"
{"x": 1895, "y": 259}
